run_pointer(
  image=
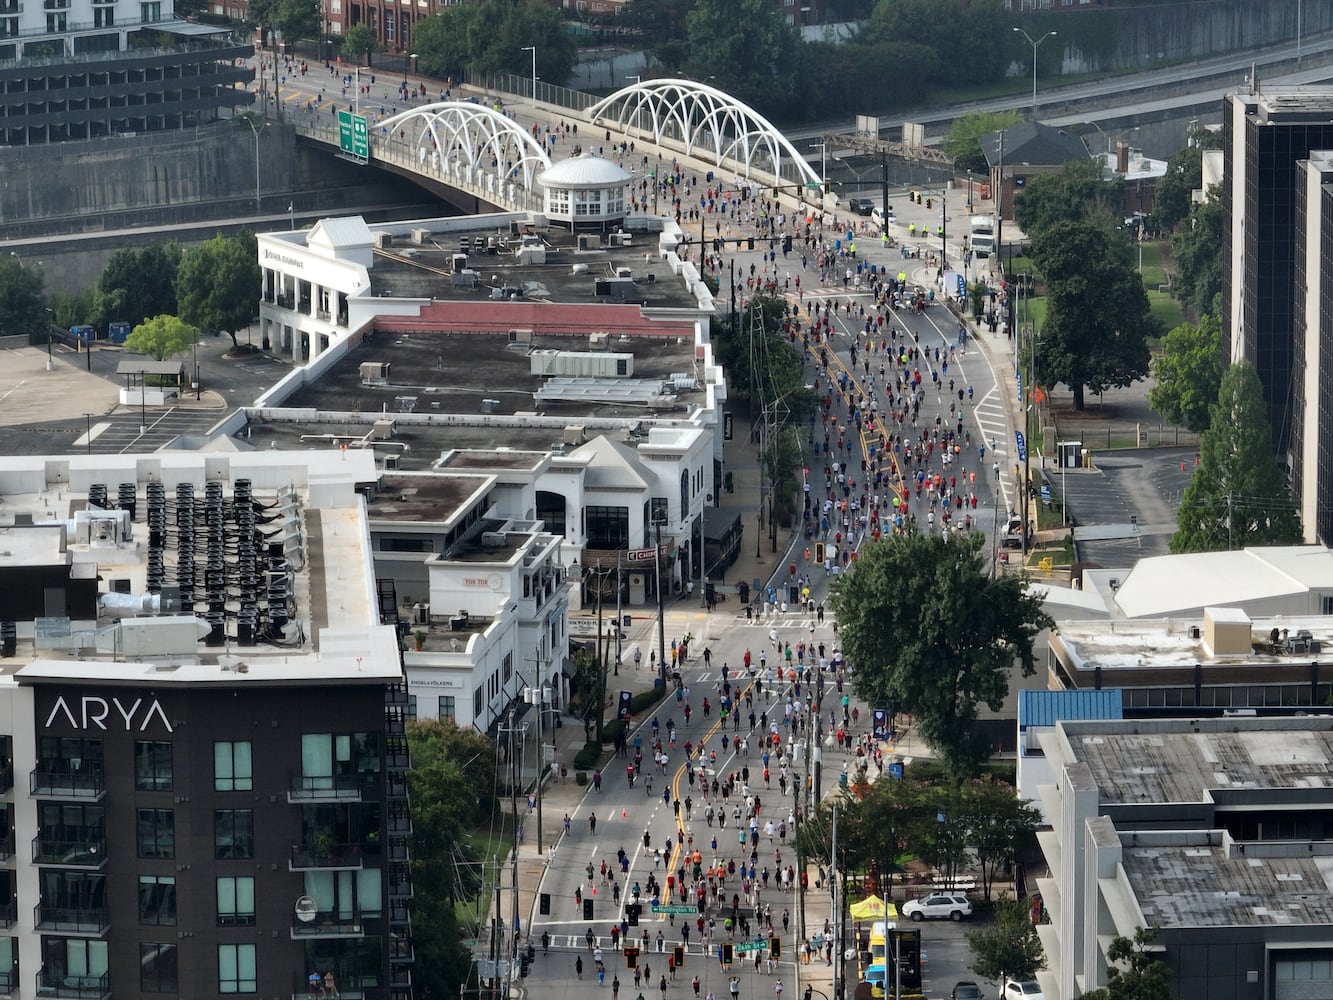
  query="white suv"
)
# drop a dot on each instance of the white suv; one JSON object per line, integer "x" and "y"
{"x": 1025, "y": 990}
{"x": 939, "y": 905}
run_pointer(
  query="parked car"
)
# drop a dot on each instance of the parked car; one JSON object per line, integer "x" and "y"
{"x": 1025, "y": 989}
{"x": 861, "y": 206}
{"x": 966, "y": 990}
{"x": 938, "y": 906}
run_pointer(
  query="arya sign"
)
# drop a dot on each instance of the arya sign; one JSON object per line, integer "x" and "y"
{"x": 95, "y": 712}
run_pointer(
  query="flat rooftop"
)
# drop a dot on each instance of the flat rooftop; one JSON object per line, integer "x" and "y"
{"x": 1186, "y": 760}
{"x": 426, "y": 269}
{"x": 434, "y": 371}
{"x": 1140, "y": 644}
{"x": 434, "y": 499}
{"x": 1201, "y": 884}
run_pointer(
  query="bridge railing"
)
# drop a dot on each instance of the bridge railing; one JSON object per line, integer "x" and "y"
{"x": 508, "y": 84}
{"x": 407, "y": 155}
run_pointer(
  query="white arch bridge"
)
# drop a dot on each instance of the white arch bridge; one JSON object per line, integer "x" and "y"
{"x": 475, "y": 156}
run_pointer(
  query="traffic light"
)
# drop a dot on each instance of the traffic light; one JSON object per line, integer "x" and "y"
{"x": 928, "y": 202}
{"x": 678, "y": 953}
{"x": 544, "y": 904}
{"x": 631, "y": 958}
{"x": 632, "y": 914}
{"x": 911, "y": 196}
{"x": 819, "y": 552}
{"x": 587, "y": 909}
{"x": 728, "y": 954}
{"x": 523, "y": 966}
{"x": 775, "y": 946}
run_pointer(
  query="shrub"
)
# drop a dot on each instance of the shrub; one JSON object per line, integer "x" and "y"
{"x": 588, "y": 756}
{"x": 611, "y": 730}
{"x": 580, "y": 777}
{"x": 645, "y": 700}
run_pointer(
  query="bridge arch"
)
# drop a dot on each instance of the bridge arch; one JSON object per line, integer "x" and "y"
{"x": 469, "y": 142}
{"x": 709, "y": 124}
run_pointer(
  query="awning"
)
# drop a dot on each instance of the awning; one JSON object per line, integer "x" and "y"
{"x": 873, "y": 908}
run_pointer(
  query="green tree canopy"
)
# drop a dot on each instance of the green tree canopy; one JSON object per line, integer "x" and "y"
{"x": 761, "y": 362}
{"x": 1188, "y": 373}
{"x": 137, "y": 284}
{"x": 218, "y": 284}
{"x": 358, "y": 42}
{"x": 489, "y": 36}
{"x": 963, "y": 142}
{"x": 660, "y": 27}
{"x": 1097, "y": 316}
{"x": 1238, "y": 496}
{"x": 931, "y": 633}
{"x": 296, "y": 19}
{"x": 1199, "y": 253}
{"x": 453, "y": 791}
{"x": 1008, "y": 946}
{"x": 22, "y": 301}
{"x": 1184, "y": 175}
{"x": 1076, "y": 193}
{"x": 161, "y": 337}
{"x": 761, "y": 65}
{"x": 1134, "y": 973}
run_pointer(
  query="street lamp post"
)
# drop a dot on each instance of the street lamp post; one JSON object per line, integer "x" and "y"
{"x": 823, "y": 169}
{"x": 1035, "y": 45}
{"x": 256, "y": 129}
{"x": 533, "y": 50}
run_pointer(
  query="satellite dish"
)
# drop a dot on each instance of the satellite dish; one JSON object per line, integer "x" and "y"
{"x": 306, "y": 909}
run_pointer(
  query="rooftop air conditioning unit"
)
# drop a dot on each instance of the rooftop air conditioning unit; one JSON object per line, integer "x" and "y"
{"x": 575, "y": 434}
{"x": 598, "y": 341}
{"x": 490, "y": 405}
{"x": 421, "y": 614}
{"x": 391, "y": 463}
{"x": 587, "y": 241}
{"x": 420, "y": 236}
{"x": 465, "y": 279}
{"x": 459, "y": 262}
{"x": 520, "y": 336}
{"x": 624, "y": 272}
{"x": 383, "y": 241}
{"x": 493, "y": 539}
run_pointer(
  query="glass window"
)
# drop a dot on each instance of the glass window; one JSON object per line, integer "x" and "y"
{"x": 606, "y": 527}
{"x": 157, "y": 900}
{"x": 233, "y": 834}
{"x": 232, "y": 769}
{"x": 236, "y": 968}
{"x": 317, "y": 758}
{"x": 157, "y": 833}
{"x": 447, "y": 710}
{"x": 152, "y": 766}
{"x": 236, "y": 901}
{"x": 157, "y": 968}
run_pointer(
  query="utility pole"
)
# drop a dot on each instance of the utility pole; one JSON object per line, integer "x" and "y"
{"x": 661, "y": 608}
{"x": 599, "y": 574}
{"x": 511, "y": 944}
{"x": 619, "y": 616}
{"x": 837, "y": 909}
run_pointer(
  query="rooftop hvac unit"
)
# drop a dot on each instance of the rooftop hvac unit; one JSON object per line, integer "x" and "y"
{"x": 490, "y": 405}
{"x": 383, "y": 241}
{"x": 382, "y": 430}
{"x": 493, "y": 539}
{"x": 681, "y": 380}
{"x": 575, "y": 434}
{"x": 391, "y": 462}
{"x": 581, "y": 364}
{"x": 520, "y": 336}
{"x": 578, "y": 269}
{"x": 598, "y": 341}
{"x": 588, "y": 241}
{"x": 465, "y": 279}
{"x": 420, "y": 236}
{"x": 421, "y": 614}
{"x": 459, "y": 262}
{"x": 624, "y": 272}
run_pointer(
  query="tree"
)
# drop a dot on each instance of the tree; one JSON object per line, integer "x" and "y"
{"x": 963, "y": 142}
{"x": 1188, "y": 373}
{"x": 660, "y": 26}
{"x": 136, "y": 285}
{"x": 489, "y": 36}
{"x": 358, "y": 42}
{"x": 1238, "y": 496}
{"x": 296, "y": 19}
{"x": 161, "y": 337}
{"x": 761, "y": 65}
{"x": 1134, "y": 973}
{"x": 452, "y": 786}
{"x": 1076, "y": 193}
{"x": 22, "y": 302}
{"x": 761, "y": 361}
{"x": 1097, "y": 316}
{"x": 999, "y": 825}
{"x": 1171, "y": 199}
{"x": 1199, "y": 253}
{"x": 586, "y": 690}
{"x": 218, "y": 284}
{"x": 1008, "y": 946}
{"x": 933, "y": 634}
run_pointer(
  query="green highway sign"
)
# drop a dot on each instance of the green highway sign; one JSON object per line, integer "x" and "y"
{"x": 353, "y": 137}
{"x": 741, "y": 949}
{"x": 660, "y": 908}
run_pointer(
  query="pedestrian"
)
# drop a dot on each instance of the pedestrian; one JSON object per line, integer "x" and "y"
{"x": 695, "y": 983}
{"x": 615, "y": 987}
{"x": 601, "y": 976}
{"x": 777, "y": 990}
{"x": 578, "y": 966}
{"x": 592, "y": 822}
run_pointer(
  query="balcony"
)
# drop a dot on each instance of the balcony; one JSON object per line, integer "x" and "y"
{"x": 9, "y": 916}
{"x": 328, "y": 925}
{"x": 7, "y": 846}
{"x": 326, "y": 788}
{"x": 83, "y": 852}
{"x": 9, "y": 982}
{"x": 324, "y": 856}
{"x": 78, "y": 786}
{"x": 7, "y": 770}
{"x": 55, "y": 983}
{"x": 71, "y": 920}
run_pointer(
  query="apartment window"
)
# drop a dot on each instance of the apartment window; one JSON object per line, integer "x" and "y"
{"x": 157, "y": 900}
{"x": 236, "y": 901}
{"x": 232, "y": 769}
{"x": 149, "y": 12}
{"x": 236, "y": 968}
{"x": 659, "y": 511}
{"x": 478, "y": 699}
{"x": 157, "y": 968}
{"x": 447, "y": 710}
{"x": 413, "y": 543}
{"x": 233, "y": 834}
{"x": 152, "y": 766}
{"x": 507, "y": 665}
{"x": 606, "y": 527}
{"x": 157, "y": 833}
